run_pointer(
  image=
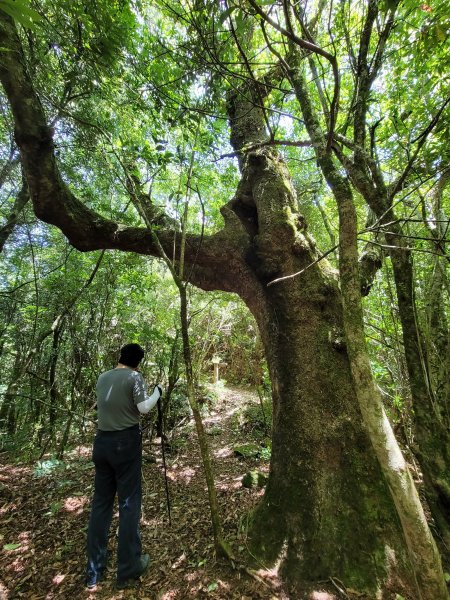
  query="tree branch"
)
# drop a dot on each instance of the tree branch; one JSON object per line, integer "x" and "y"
{"x": 421, "y": 139}
{"x": 298, "y": 144}
{"x": 362, "y": 82}
{"x": 55, "y": 203}
{"x": 307, "y": 45}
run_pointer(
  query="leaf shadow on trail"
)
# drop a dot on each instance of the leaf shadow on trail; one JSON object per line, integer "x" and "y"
{"x": 44, "y": 513}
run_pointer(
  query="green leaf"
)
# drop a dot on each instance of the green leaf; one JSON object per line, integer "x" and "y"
{"x": 11, "y": 546}
{"x": 440, "y": 33}
{"x": 226, "y": 13}
{"x": 21, "y": 12}
{"x": 212, "y": 587}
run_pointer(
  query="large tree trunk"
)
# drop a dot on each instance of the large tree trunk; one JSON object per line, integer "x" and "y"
{"x": 327, "y": 510}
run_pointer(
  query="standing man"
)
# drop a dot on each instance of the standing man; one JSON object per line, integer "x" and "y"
{"x": 117, "y": 455}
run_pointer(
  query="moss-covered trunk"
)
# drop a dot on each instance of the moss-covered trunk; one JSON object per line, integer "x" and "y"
{"x": 327, "y": 510}
{"x": 424, "y": 555}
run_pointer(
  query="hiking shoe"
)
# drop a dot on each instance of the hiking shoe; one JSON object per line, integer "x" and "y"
{"x": 144, "y": 563}
{"x": 92, "y": 580}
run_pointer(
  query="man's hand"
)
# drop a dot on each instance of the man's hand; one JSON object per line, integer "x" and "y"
{"x": 159, "y": 388}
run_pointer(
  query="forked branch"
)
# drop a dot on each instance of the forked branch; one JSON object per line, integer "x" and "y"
{"x": 311, "y": 47}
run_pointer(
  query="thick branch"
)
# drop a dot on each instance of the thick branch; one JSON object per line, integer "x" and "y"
{"x": 246, "y": 149}
{"x": 362, "y": 77}
{"x": 375, "y": 198}
{"x": 370, "y": 262}
{"x": 55, "y": 203}
{"x": 377, "y": 58}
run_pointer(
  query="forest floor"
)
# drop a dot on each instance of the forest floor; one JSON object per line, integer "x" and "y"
{"x": 44, "y": 508}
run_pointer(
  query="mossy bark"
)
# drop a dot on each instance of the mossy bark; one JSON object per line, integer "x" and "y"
{"x": 426, "y": 563}
{"x": 327, "y": 511}
{"x": 427, "y": 574}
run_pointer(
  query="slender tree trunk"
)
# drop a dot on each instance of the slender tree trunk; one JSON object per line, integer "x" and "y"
{"x": 432, "y": 435}
{"x": 201, "y": 434}
{"x": 53, "y": 389}
{"x": 327, "y": 225}
{"x": 8, "y": 412}
{"x": 65, "y": 436}
{"x": 173, "y": 375}
{"x": 422, "y": 548}
{"x": 77, "y": 358}
{"x": 8, "y": 406}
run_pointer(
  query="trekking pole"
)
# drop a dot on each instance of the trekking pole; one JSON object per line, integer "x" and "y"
{"x": 160, "y": 419}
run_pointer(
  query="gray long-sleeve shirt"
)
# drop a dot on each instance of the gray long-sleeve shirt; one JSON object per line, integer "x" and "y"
{"x": 119, "y": 391}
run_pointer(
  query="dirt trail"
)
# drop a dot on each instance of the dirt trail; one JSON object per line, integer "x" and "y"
{"x": 43, "y": 521}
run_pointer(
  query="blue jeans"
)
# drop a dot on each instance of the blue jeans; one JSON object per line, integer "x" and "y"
{"x": 117, "y": 456}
